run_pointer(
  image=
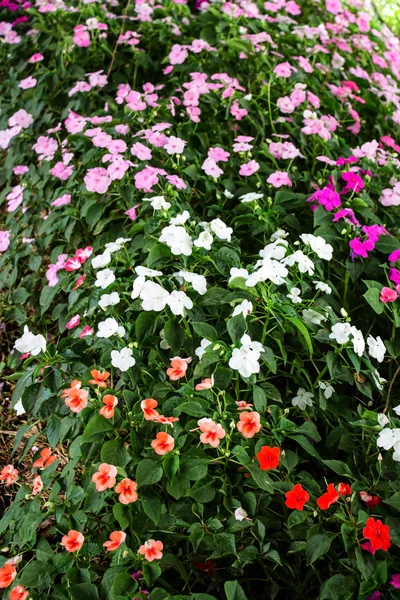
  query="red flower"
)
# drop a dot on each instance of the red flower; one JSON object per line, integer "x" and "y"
{"x": 344, "y": 489}
{"x": 297, "y": 497}
{"x": 369, "y": 500}
{"x": 377, "y": 533}
{"x": 267, "y": 457}
{"x": 330, "y": 497}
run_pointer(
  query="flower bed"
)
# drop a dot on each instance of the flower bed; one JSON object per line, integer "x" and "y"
{"x": 199, "y": 288}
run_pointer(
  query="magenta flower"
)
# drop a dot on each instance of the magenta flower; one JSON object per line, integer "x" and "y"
{"x": 360, "y": 248}
{"x": 395, "y": 581}
{"x": 353, "y": 181}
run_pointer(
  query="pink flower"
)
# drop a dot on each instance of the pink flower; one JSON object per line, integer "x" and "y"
{"x": 388, "y": 295}
{"x": 21, "y": 118}
{"x": 97, "y": 180}
{"x": 395, "y": 581}
{"x": 4, "y": 240}
{"x": 218, "y": 154}
{"x": 360, "y": 248}
{"x": 279, "y": 178}
{"x": 151, "y": 550}
{"x": 36, "y": 58}
{"x": 132, "y": 214}
{"x": 326, "y": 197}
{"x": 86, "y": 331}
{"x": 146, "y": 179}
{"x": 284, "y": 70}
{"x": 212, "y": 433}
{"x": 27, "y": 83}
{"x": 211, "y": 168}
{"x": 141, "y": 151}
{"x": 394, "y": 256}
{"x": 73, "y": 322}
{"x": 238, "y": 112}
{"x": 62, "y": 171}
{"x": 15, "y": 198}
{"x": 353, "y": 182}
{"x": 62, "y": 200}
{"x": 249, "y": 168}
{"x": 205, "y": 384}
{"x": 81, "y": 36}
{"x": 178, "y": 54}
{"x": 46, "y": 147}
{"x": 20, "y": 170}
{"x": 82, "y": 254}
{"x": 176, "y": 182}
{"x": 79, "y": 282}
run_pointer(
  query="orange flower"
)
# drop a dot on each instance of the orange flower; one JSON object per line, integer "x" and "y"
{"x": 177, "y": 369}
{"x": 75, "y": 384}
{"x": 148, "y": 407}
{"x": 163, "y": 443}
{"x": 104, "y": 478}
{"x": 249, "y": 424}
{"x": 116, "y": 539}
{"x": 205, "y": 384}
{"x": 243, "y": 405}
{"x": 268, "y": 457}
{"x": 7, "y": 575}
{"x": 18, "y": 593}
{"x": 151, "y": 550}
{"x": 99, "y": 378}
{"x": 110, "y": 402}
{"x": 212, "y": 433}
{"x": 45, "y": 459}
{"x": 166, "y": 420}
{"x": 37, "y": 485}
{"x": 8, "y": 474}
{"x": 73, "y": 542}
{"x": 127, "y": 491}
{"x": 76, "y": 399}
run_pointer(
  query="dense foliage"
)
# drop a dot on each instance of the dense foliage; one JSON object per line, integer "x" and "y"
{"x": 199, "y": 295}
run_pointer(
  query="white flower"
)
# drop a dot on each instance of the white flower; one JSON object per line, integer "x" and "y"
{"x": 305, "y": 264}
{"x": 254, "y": 346}
{"x": 147, "y": 272}
{"x": 198, "y": 282}
{"x": 178, "y": 301}
{"x": 376, "y": 348}
{"x": 180, "y": 219}
{"x": 303, "y": 399}
{"x": 29, "y": 342}
{"x": 245, "y": 361}
{"x": 340, "y": 332}
{"x": 323, "y": 287}
{"x": 294, "y": 295}
{"x": 245, "y": 308}
{"x": 235, "y": 272}
{"x": 396, "y": 453}
{"x": 122, "y": 360}
{"x": 204, "y": 240}
{"x": 271, "y": 270}
{"x": 19, "y": 408}
{"x": 327, "y": 389}
{"x": 102, "y": 260}
{"x": 109, "y": 327}
{"x": 378, "y": 380}
{"x": 117, "y": 245}
{"x": 397, "y": 409}
{"x": 109, "y": 300}
{"x": 312, "y": 316}
{"x": 275, "y": 250}
{"x": 278, "y": 235}
{"x": 153, "y": 296}
{"x": 241, "y": 514}
{"x": 382, "y": 420}
{"x": 138, "y": 285}
{"x": 104, "y": 278}
{"x": 227, "y": 194}
{"x": 221, "y": 230}
{"x": 318, "y": 245}
{"x": 387, "y": 438}
{"x": 177, "y": 239}
{"x": 358, "y": 341}
{"x": 200, "y": 350}
{"x": 250, "y": 197}
{"x": 158, "y": 203}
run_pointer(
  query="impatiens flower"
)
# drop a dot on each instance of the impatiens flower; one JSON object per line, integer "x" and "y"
{"x": 46, "y": 458}
{"x": 152, "y": 294}
{"x": 99, "y": 379}
{"x": 297, "y": 497}
{"x": 330, "y": 497}
{"x": 279, "y": 178}
{"x": 122, "y": 360}
{"x": 377, "y": 533}
{"x": 148, "y": 407}
{"x": 370, "y": 500}
{"x": 241, "y": 515}
{"x": 268, "y": 457}
{"x": 344, "y": 489}
{"x": 8, "y": 475}
{"x": 110, "y": 403}
{"x": 30, "y": 343}
{"x": 76, "y": 399}
{"x": 104, "y": 278}
{"x": 243, "y": 405}
{"x": 37, "y": 485}
{"x": 205, "y": 384}
{"x": 388, "y": 295}
{"x": 340, "y": 332}
{"x": 177, "y": 369}
{"x": 395, "y": 581}
{"x": 127, "y": 491}
{"x": 4, "y": 240}
{"x": 151, "y": 550}
{"x": 303, "y": 399}
{"x": 73, "y": 322}
{"x": 116, "y": 539}
{"x": 104, "y": 478}
{"x": 212, "y": 433}
{"x": 7, "y": 575}
{"x": 18, "y": 593}
{"x": 110, "y": 327}
{"x": 376, "y": 348}
{"x": 27, "y": 83}
{"x": 73, "y": 542}
{"x": 249, "y": 168}
{"x": 163, "y": 443}
{"x": 179, "y": 302}
{"x": 249, "y": 424}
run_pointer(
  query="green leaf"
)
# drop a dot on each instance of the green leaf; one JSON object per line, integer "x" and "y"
{"x": 170, "y": 465}
{"x": 123, "y": 515}
{"x": 224, "y": 544}
{"x": 34, "y": 573}
{"x": 174, "y": 334}
{"x": 158, "y": 255}
{"x": 152, "y": 508}
{"x": 148, "y": 472}
{"x": 96, "y": 428}
{"x": 196, "y": 536}
{"x": 205, "y": 331}
{"x": 47, "y": 296}
{"x": 339, "y": 467}
{"x": 203, "y": 491}
{"x": 151, "y": 571}
{"x": 394, "y": 501}
{"x": 304, "y": 331}
{"x": 304, "y": 443}
{"x": 84, "y": 591}
{"x": 194, "y": 409}
{"x": 236, "y": 327}
{"x": 372, "y": 297}
{"x": 115, "y": 453}
{"x": 234, "y": 591}
{"x": 338, "y": 587}
{"x": 259, "y": 399}
{"x": 317, "y": 546}
{"x": 145, "y": 325}
{"x": 261, "y": 478}
{"x": 269, "y": 357}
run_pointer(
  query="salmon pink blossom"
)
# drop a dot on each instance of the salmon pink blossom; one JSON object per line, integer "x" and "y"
{"x": 7, "y": 575}
{"x": 46, "y": 459}
{"x": 110, "y": 403}
{"x": 8, "y": 475}
{"x": 177, "y": 369}
{"x": 104, "y": 478}
{"x": 18, "y": 593}
{"x": 151, "y": 550}
{"x": 116, "y": 539}
{"x": 37, "y": 485}
{"x": 127, "y": 491}
{"x": 99, "y": 379}
{"x": 163, "y": 443}
{"x": 73, "y": 541}
{"x": 148, "y": 407}
{"x": 212, "y": 433}
{"x": 249, "y": 424}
